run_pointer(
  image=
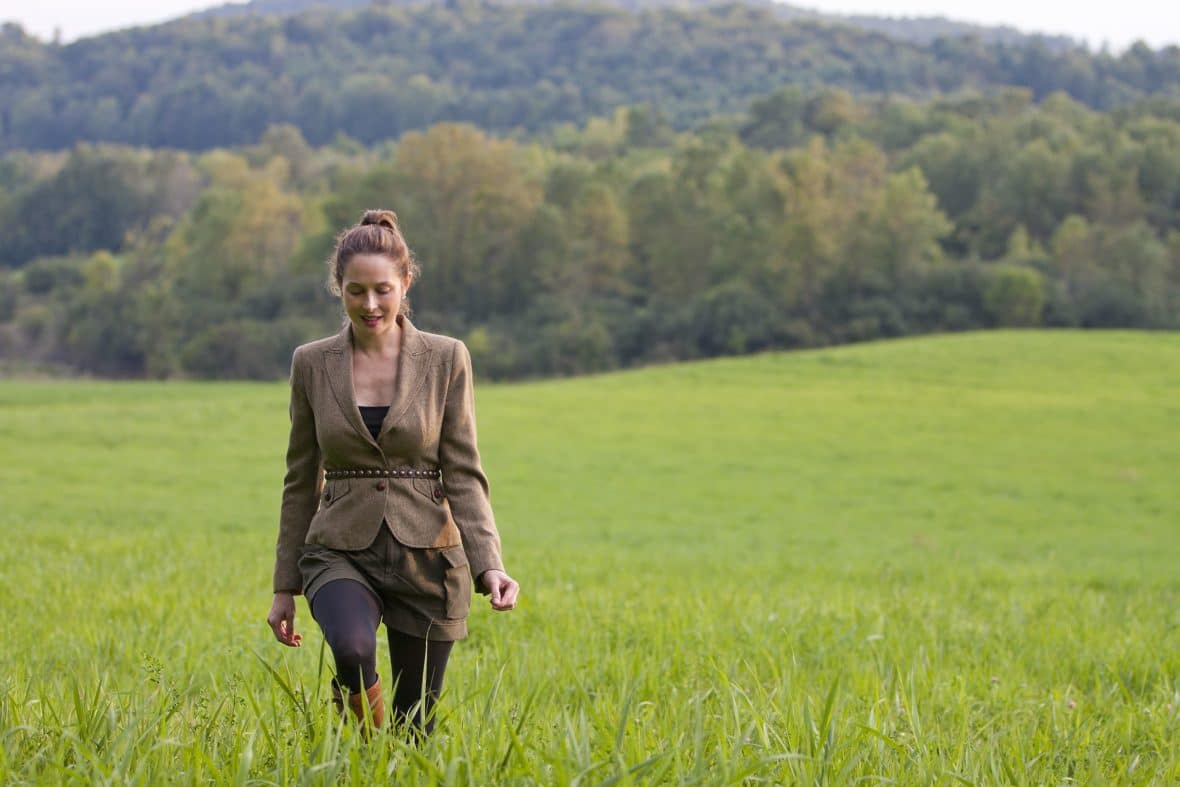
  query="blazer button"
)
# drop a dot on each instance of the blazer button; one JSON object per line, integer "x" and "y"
{"x": 380, "y": 486}
{"x": 437, "y": 494}
{"x": 327, "y": 496}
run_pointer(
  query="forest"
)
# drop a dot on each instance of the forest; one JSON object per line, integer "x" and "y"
{"x": 920, "y": 29}
{"x": 812, "y": 217}
{"x": 375, "y": 73}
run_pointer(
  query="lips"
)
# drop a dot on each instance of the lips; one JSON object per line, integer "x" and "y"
{"x": 371, "y": 321}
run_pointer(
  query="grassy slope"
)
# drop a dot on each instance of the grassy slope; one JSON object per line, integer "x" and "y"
{"x": 967, "y": 543}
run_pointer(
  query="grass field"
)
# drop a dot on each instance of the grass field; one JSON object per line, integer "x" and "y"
{"x": 932, "y": 561}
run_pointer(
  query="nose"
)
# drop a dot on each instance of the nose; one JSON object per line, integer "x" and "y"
{"x": 370, "y": 301}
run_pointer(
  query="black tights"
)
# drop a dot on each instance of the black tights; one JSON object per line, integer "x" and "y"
{"x": 348, "y": 614}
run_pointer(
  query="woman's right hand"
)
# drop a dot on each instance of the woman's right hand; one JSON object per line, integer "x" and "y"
{"x": 282, "y": 620}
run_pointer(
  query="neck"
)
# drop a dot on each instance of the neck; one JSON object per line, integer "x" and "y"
{"x": 386, "y": 344}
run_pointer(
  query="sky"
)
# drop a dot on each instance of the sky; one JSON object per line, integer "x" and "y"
{"x": 1116, "y": 24}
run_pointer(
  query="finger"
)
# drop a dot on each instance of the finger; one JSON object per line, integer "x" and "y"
{"x": 507, "y": 596}
{"x": 494, "y": 587}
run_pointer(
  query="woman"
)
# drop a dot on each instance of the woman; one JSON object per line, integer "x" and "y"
{"x": 385, "y": 510}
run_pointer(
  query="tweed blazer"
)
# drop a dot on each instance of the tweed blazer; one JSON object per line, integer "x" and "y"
{"x": 430, "y": 424}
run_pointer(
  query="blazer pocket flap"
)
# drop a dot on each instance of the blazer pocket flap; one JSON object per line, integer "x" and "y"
{"x": 334, "y": 490}
{"x": 455, "y": 556}
{"x": 429, "y": 488}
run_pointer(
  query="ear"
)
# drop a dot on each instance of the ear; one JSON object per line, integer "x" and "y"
{"x": 407, "y": 280}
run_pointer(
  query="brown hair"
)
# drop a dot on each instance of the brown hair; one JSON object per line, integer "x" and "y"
{"x": 376, "y": 233}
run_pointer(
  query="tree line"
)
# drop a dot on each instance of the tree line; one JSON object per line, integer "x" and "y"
{"x": 813, "y": 218}
{"x": 919, "y": 30}
{"x": 377, "y": 72}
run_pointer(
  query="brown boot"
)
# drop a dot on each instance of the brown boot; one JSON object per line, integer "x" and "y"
{"x": 371, "y": 698}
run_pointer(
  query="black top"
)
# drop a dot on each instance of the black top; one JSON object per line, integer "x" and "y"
{"x": 373, "y": 415}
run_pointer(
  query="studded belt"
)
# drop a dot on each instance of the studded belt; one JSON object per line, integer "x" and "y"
{"x": 393, "y": 472}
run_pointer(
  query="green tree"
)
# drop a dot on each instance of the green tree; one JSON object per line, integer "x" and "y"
{"x": 464, "y": 199}
{"x": 90, "y": 204}
{"x": 1015, "y": 296}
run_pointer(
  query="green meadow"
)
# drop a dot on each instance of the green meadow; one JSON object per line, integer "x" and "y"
{"x": 944, "y": 560}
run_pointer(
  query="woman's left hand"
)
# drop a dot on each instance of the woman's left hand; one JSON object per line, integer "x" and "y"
{"x": 503, "y": 588}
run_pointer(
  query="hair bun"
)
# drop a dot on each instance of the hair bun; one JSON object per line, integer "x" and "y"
{"x": 385, "y": 218}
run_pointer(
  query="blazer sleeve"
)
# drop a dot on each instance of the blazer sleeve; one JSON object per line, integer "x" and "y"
{"x": 300, "y": 485}
{"x": 467, "y": 486}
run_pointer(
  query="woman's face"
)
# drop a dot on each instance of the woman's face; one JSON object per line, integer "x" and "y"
{"x": 372, "y": 290}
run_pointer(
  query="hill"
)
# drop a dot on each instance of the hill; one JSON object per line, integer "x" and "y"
{"x": 377, "y": 72}
{"x": 953, "y": 555}
{"x": 920, "y": 30}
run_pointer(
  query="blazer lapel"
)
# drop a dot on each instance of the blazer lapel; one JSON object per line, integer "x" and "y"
{"x": 338, "y": 365}
{"x": 412, "y": 364}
